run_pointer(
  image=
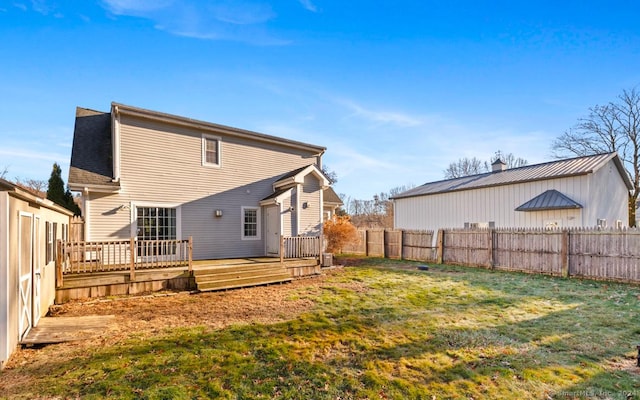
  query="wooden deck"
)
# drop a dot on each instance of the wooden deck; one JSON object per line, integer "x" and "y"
{"x": 206, "y": 275}
{"x": 67, "y": 329}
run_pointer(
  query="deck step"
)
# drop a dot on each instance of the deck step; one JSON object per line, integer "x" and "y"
{"x": 242, "y": 282}
{"x": 238, "y": 276}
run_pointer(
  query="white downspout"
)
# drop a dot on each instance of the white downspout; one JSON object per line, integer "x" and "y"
{"x": 115, "y": 142}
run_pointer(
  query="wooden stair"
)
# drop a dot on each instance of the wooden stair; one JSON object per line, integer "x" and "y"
{"x": 238, "y": 276}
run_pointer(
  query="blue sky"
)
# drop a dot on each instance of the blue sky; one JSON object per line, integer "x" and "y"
{"x": 396, "y": 90}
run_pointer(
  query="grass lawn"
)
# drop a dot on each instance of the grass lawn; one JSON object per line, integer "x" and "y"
{"x": 379, "y": 330}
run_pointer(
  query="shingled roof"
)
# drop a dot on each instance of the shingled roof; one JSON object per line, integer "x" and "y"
{"x": 549, "y": 170}
{"x": 91, "y": 155}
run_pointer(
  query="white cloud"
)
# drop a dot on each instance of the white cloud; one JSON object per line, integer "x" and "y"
{"x": 308, "y": 5}
{"x": 136, "y": 7}
{"x": 20, "y": 6}
{"x": 243, "y": 21}
{"x": 381, "y": 117}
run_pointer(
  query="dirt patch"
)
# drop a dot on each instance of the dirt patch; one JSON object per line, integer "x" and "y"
{"x": 146, "y": 316}
{"x": 350, "y": 261}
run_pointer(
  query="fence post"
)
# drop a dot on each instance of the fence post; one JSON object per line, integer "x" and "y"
{"x": 440, "y": 247}
{"x": 190, "y": 251}
{"x": 366, "y": 243}
{"x": 132, "y": 259}
{"x": 385, "y": 243}
{"x": 564, "y": 253}
{"x": 59, "y": 261}
{"x": 401, "y": 244}
{"x": 492, "y": 243}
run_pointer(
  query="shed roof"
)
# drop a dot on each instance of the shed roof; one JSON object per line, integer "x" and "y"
{"x": 549, "y": 200}
{"x": 549, "y": 170}
{"x": 27, "y": 195}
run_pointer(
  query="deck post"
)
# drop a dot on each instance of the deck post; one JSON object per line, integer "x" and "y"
{"x": 281, "y": 249}
{"x": 190, "y": 250}
{"x": 132, "y": 261}
{"x": 59, "y": 261}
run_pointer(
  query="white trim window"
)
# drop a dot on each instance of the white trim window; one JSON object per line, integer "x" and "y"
{"x": 250, "y": 223}
{"x": 156, "y": 224}
{"x": 211, "y": 155}
{"x": 50, "y": 233}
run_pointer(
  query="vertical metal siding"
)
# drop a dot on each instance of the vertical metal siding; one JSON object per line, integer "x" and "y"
{"x": 453, "y": 209}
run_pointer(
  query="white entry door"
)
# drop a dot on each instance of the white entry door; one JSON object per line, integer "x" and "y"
{"x": 36, "y": 278}
{"x": 25, "y": 272}
{"x": 273, "y": 230}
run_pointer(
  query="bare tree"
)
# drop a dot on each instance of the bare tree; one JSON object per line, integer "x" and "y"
{"x": 473, "y": 166}
{"x": 509, "y": 159}
{"x": 609, "y": 128}
{"x": 330, "y": 174}
{"x": 37, "y": 186}
{"x": 465, "y": 167}
{"x": 377, "y": 212}
{"x": 4, "y": 171}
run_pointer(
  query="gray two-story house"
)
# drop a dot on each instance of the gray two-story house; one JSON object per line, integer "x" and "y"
{"x": 156, "y": 176}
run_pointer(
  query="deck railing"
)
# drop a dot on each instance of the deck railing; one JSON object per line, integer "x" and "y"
{"x": 299, "y": 246}
{"x": 121, "y": 255}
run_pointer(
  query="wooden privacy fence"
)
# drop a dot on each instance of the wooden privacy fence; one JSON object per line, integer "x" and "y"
{"x": 77, "y": 257}
{"x": 409, "y": 245}
{"x": 299, "y": 246}
{"x": 588, "y": 253}
{"x": 76, "y": 229}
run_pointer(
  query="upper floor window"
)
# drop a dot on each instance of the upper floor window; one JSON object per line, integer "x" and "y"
{"x": 211, "y": 151}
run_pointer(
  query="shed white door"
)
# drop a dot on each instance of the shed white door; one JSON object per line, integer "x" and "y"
{"x": 273, "y": 230}
{"x": 36, "y": 278}
{"x": 25, "y": 272}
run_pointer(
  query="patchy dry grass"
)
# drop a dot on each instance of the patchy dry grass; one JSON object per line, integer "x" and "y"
{"x": 378, "y": 330}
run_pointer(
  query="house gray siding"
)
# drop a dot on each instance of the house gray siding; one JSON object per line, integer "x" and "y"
{"x": 310, "y": 217}
{"x": 161, "y": 164}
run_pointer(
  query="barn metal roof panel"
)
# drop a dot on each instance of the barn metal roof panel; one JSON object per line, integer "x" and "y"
{"x": 549, "y": 200}
{"x": 549, "y": 170}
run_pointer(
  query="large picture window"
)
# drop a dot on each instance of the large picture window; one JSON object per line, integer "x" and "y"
{"x": 250, "y": 223}
{"x": 210, "y": 151}
{"x": 155, "y": 223}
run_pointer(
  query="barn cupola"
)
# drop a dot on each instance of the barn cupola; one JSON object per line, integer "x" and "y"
{"x": 498, "y": 166}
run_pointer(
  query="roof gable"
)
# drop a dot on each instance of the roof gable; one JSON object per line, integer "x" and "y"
{"x": 297, "y": 176}
{"x": 544, "y": 171}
